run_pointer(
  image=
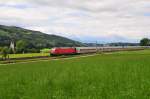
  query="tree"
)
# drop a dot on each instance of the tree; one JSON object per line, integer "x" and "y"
{"x": 5, "y": 53}
{"x": 1, "y": 49}
{"x": 21, "y": 46}
{"x": 145, "y": 42}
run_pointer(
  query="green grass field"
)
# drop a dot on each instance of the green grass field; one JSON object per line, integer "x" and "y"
{"x": 121, "y": 75}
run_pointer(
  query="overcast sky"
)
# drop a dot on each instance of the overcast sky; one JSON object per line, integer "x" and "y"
{"x": 84, "y": 20}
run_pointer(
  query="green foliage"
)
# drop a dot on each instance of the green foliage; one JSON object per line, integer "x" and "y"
{"x": 21, "y": 46}
{"x": 1, "y": 49}
{"x": 11, "y": 51}
{"x": 5, "y": 53}
{"x": 45, "y": 50}
{"x": 106, "y": 76}
{"x": 145, "y": 42}
{"x": 33, "y": 50}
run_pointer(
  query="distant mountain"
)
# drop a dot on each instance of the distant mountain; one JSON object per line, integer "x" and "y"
{"x": 112, "y": 44}
{"x": 93, "y": 45}
{"x": 123, "y": 44}
{"x": 35, "y": 38}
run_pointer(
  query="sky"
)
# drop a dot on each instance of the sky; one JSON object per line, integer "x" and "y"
{"x": 103, "y": 21}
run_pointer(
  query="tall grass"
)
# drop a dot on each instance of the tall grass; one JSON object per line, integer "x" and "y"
{"x": 111, "y": 76}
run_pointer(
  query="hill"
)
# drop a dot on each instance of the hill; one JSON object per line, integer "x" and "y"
{"x": 36, "y": 39}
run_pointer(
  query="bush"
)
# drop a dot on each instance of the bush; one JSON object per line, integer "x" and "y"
{"x": 5, "y": 53}
{"x": 33, "y": 50}
{"x": 45, "y": 50}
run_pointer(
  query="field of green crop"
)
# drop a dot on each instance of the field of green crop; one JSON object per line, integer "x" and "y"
{"x": 124, "y": 75}
{"x": 27, "y": 55}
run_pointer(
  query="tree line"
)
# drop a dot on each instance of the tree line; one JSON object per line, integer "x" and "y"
{"x": 145, "y": 42}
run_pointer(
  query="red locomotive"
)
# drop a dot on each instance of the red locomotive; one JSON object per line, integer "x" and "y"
{"x": 70, "y": 50}
{"x": 63, "y": 51}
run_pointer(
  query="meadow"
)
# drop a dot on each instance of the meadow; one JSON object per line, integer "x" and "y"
{"x": 119, "y": 75}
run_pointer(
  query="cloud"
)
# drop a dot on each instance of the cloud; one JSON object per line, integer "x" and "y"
{"x": 84, "y": 20}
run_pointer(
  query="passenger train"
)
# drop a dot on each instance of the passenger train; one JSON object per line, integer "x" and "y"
{"x": 84, "y": 50}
